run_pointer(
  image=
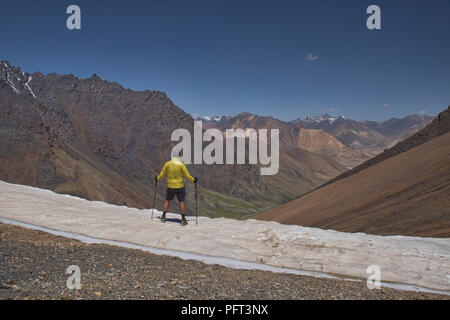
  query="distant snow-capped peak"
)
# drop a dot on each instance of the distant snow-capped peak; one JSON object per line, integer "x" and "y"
{"x": 17, "y": 80}
{"x": 318, "y": 119}
{"x": 210, "y": 119}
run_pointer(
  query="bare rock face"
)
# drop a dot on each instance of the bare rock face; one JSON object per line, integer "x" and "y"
{"x": 97, "y": 140}
{"x": 316, "y": 140}
{"x": 87, "y": 137}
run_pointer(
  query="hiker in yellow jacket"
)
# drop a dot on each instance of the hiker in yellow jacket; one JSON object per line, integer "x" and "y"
{"x": 176, "y": 171}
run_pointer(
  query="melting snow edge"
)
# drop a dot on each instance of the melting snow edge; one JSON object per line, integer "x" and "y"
{"x": 223, "y": 261}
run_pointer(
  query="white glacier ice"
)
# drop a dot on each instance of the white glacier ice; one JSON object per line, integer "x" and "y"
{"x": 405, "y": 262}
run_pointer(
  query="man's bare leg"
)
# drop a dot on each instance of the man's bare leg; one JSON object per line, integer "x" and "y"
{"x": 166, "y": 206}
{"x": 182, "y": 208}
{"x": 165, "y": 209}
{"x": 183, "y": 218}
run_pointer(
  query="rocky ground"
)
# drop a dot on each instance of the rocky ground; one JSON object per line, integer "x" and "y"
{"x": 33, "y": 265}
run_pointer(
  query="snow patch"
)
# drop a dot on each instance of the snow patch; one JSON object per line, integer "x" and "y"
{"x": 28, "y": 86}
{"x": 319, "y": 119}
{"x": 211, "y": 260}
{"x": 10, "y": 83}
{"x": 210, "y": 119}
{"x": 408, "y": 261}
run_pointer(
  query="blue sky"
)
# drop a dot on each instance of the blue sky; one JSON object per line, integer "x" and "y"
{"x": 225, "y": 57}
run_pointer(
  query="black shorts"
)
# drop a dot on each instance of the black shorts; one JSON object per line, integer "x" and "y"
{"x": 170, "y": 194}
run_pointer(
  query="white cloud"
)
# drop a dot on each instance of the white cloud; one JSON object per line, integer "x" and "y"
{"x": 310, "y": 57}
{"x": 423, "y": 112}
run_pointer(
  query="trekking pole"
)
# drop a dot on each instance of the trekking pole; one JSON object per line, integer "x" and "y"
{"x": 196, "y": 212}
{"x": 154, "y": 198}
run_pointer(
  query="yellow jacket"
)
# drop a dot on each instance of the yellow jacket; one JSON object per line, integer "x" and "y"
{"x": 176, "y": 171}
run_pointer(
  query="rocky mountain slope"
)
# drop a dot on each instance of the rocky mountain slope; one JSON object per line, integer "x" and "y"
{"x": 85, "y": 137}
{"x": 100, "y": 141}
{"x": 403, "y": 191}
{"x": 439, "y": 126}
{"x": 316, "y": 140}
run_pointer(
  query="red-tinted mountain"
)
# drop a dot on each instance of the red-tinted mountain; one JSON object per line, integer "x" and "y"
{"x": 369, "y": 137}
{"x": 298, "y": 136}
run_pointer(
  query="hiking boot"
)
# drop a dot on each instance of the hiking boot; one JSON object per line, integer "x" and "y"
{"x": 184, "y": 222}
{"x": 163, "y": 218}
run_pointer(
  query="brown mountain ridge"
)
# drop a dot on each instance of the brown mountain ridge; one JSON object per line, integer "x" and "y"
{"x": 403, "y": 191}
{"x": 97, "y": 140}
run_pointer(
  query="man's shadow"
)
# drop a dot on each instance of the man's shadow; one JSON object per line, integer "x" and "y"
{"x": 175, "y": 220}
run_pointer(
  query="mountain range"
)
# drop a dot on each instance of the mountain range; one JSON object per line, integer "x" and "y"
{"x": 368, "y": 137}
{"x": 97, "y": 140}
{"x": 348, "y": 142}
{"x": 402, "y": 191}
